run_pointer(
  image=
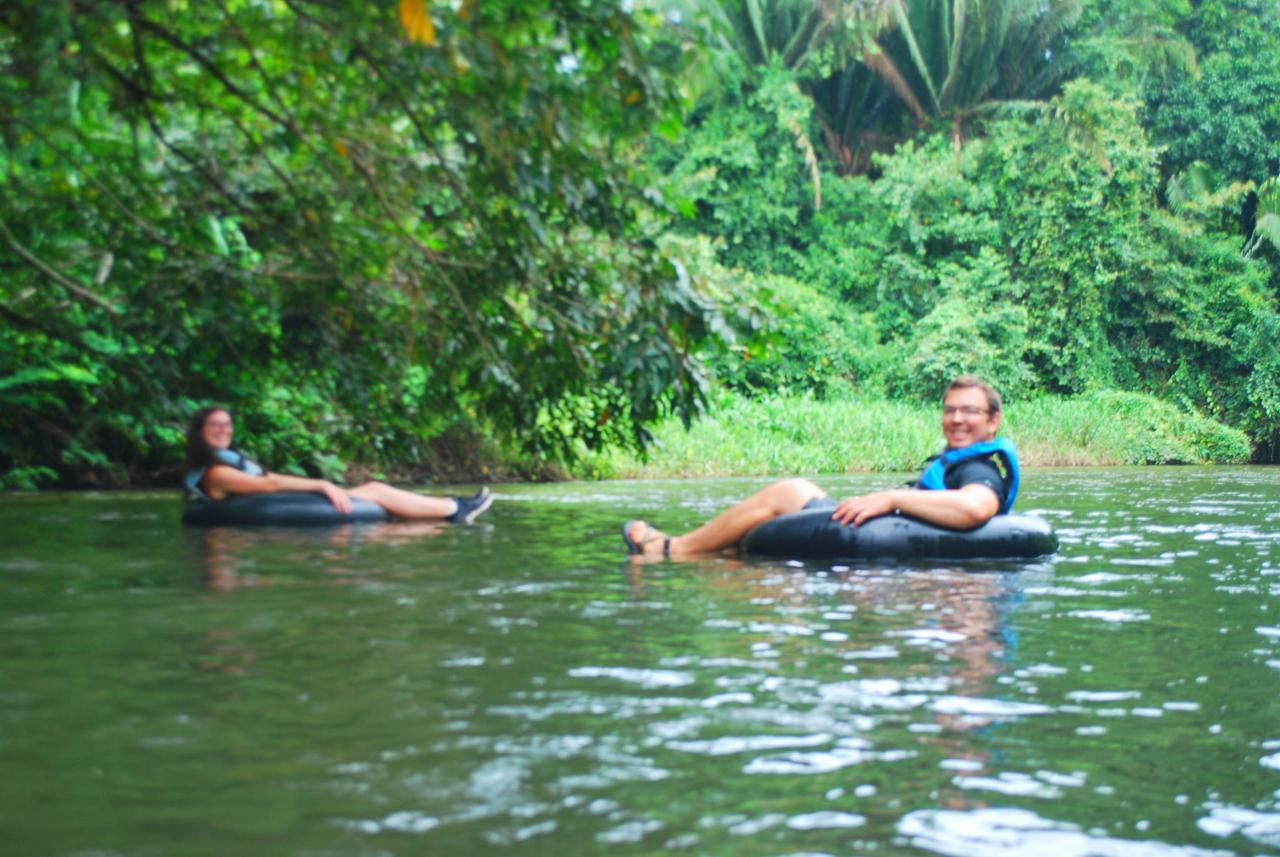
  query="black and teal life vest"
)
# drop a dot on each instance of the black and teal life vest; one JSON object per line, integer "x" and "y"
{"x": 934, "y": 475}
{"x": 230, "y": 457}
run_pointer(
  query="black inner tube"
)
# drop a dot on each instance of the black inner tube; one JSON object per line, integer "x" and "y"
{"x": 812, "y": 534}
{"x": 282, "y": 508}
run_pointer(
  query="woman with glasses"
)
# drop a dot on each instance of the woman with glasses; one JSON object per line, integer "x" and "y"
{"x": 215, "y": 471}
{"x": 971, "y": 481}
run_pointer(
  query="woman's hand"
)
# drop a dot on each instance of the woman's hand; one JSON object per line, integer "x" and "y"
{"x": 337, "y": 497}
{"x": 222, "y": 480}
{"x": 856, "y": 510}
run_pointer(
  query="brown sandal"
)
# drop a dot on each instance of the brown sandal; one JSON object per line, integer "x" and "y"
{"x": 636, "y": 548}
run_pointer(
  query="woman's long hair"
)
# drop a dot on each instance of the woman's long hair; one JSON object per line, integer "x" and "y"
{"x": 199, "y": 453}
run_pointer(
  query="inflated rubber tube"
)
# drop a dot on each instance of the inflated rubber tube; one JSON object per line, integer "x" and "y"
{"x": 812, "y": 534}
{"x": 282, "y": 508}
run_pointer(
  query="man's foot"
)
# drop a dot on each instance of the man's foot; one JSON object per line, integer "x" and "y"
{"x": 470, "y": 508}
{"x": 644, "y": 540}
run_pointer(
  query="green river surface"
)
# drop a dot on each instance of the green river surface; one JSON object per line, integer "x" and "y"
{"x": 516, "y": 686}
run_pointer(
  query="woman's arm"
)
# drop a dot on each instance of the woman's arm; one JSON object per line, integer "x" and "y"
{"x": 221, "y": 480}
{"x": 961, "y": 508}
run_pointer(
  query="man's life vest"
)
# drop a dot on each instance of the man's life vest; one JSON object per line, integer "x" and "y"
{"x": 934, "y": 476}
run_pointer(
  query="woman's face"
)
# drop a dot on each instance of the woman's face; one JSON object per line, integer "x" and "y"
{"x": 217, "y": 430}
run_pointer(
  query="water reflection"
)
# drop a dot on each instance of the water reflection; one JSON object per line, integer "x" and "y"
{"x": 229, "y": 556}
{"x": 751, "y": 700}
{"x": 238, "y": 558}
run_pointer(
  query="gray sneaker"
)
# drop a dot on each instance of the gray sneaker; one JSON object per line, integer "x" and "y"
{"x": 470, "y": 508}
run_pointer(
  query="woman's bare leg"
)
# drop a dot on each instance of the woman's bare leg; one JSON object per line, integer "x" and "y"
{"x": 727, "y": 529}
{"x": 405, "y": 504}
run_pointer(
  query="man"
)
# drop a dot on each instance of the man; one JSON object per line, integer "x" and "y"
{"x": 970, "y": 482}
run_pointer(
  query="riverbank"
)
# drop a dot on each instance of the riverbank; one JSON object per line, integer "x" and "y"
{"x": 796, "y": 435}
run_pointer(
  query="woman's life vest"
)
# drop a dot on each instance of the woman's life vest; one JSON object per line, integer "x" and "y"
{"x": 232, "y": 458}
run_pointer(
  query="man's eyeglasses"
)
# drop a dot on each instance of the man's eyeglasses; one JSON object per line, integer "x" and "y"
{"x": 966, "y": 410}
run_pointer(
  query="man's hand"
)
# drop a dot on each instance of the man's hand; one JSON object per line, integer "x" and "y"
{"x": 856, "y": 510}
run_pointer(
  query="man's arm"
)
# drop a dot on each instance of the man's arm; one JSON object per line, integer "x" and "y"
{"x": 961, "y": 508}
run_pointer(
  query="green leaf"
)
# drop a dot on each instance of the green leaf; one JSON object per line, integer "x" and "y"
{"x": 48, "y": 375}
{"x": 212, "y": 228}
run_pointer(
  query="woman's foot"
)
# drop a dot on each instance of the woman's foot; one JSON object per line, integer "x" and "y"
{"x": 470, "y": 508}
{"x": 644, "y": 540}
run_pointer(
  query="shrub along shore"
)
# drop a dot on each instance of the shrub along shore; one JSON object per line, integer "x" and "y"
{"x": 801, "y": 435}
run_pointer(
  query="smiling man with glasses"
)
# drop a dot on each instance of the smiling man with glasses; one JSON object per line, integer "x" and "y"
{"x": 964, "y": 486}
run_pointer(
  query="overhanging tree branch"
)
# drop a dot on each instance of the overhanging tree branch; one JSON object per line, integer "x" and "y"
{"x": 28, "y": 323}
{"x": 215, "y": 71}
{"x": 137, "y": 219}
{"x": 53, "y": 274}
{"x": 234, "y": 26}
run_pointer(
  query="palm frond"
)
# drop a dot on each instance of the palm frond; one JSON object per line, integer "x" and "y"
{"x": 1197, "y": 180}
{"x": 1266, "y": 225}
{"x": 1269, "y": 197}
{"x": 954, "y": 50}
{"x": 756, "y": 17}
{"x": 908, "y": 34}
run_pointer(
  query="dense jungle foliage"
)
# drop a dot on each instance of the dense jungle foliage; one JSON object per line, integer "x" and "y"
{"x": 436, "y": 238}
{"x": 378, "y": 236}
{"x": 1014, "y": 190}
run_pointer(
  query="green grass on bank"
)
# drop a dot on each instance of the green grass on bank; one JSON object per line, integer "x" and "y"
{"x": 797, "y": 436}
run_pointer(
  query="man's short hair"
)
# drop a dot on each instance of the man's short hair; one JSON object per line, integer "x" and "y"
{"x": 994, "y": 402}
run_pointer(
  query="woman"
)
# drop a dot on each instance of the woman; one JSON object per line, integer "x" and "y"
{"x": 215, "y": 470}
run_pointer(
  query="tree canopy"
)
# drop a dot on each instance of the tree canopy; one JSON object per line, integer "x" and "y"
{"x": 362, "y": 224}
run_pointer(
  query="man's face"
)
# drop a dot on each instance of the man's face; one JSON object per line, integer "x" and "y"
{"x": 966, "y": 418}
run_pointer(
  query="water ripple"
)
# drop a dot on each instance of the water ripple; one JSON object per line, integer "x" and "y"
{"x": 647, "y": 678}
{"x": 1019, "y": 832}
{"x": 730, "y": 745}
{"x": 1225, "y": 821}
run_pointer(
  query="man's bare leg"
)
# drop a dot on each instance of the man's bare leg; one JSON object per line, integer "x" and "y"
{"x": 728, "y": 528}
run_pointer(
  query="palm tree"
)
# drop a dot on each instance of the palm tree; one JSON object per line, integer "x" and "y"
{"x": 796, "y": 36}
{"x": 789, "y": 33}
{"x": 941, "y": 60}
{"x": 877, "y": 70}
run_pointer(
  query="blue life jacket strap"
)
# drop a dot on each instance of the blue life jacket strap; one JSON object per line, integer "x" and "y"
{"x": 230, "y": 457}
{"x": 934, "y": 476}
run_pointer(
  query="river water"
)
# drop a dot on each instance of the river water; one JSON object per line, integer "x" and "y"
{"x": 517, "y": 687}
